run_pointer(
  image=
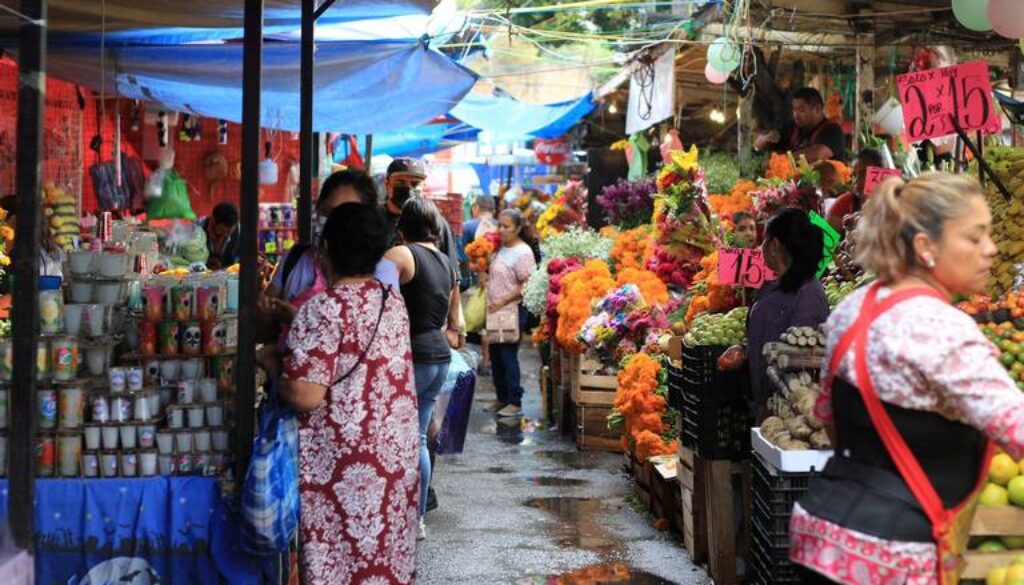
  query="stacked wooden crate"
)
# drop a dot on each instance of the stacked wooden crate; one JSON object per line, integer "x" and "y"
{"x": 593, "y": 397}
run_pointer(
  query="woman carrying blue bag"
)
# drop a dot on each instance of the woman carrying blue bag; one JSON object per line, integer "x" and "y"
{"x": 347, "y": 372}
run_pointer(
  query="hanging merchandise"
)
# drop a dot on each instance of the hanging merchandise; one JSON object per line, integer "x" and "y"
{"x": 346, "y": 152}
{"x": 268, "y": 168}
{"x": 651, "y": 93}
{"x": 714, "y": 75}
{"x": 1007, "y": 17}
{"x": 724, "y": 54}
{"x": 174, "y": 200}
{"x": 185, "y": 134}
{"x": 973, "y": 14}
{"x": 636, "y": 153}
{"x": 222, "y": 132}
{"x": 671, "y": 143}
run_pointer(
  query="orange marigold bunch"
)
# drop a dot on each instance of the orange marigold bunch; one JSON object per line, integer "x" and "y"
{"x": 845, "y": 173}
{"x": 579, "y": 291}
{"x": 780, "y": 166}
{"x": 630, "y": 248}
{"x": 738, "y": 199}
{"x": 480, "y": 250}
{"x": 713, "y": 298}
{"x": 651, "y": 287}
{"x": 642, "y": 408}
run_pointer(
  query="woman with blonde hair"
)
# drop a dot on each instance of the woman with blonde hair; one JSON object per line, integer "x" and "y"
{"x": 913, "y": 395}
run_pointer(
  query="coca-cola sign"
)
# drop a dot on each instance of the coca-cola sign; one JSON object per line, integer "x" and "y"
{"x": 552, "y": 152}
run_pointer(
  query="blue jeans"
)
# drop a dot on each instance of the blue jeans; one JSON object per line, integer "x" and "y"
{"x": 505, "y": 373}
{"x": 429, "y": 379}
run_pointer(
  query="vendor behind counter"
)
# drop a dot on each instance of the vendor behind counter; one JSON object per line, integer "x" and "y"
{"x": 222, "y": 235}
{"x": 810, "y": 134}
{"x": 792, "y": 250}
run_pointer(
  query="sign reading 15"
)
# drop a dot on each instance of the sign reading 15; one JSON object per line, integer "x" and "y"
{"x": 742, "y": 267}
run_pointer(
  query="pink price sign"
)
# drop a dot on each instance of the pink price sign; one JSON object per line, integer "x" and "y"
{"x": 875, "y": 176}
{"x": 742, "y": 267}
{"x": 933, "y": 99}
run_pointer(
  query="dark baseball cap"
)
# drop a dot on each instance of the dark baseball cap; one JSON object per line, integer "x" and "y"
{"x": 407, "y": 166}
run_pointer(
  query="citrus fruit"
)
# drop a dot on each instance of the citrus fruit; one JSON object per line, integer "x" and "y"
{"x": 1015, "y": 575}
{"x": 994, "y": 496}
{"x": 996, "y": 576}
{"x": 1015, "y": 490}
{"x": 1003, "y": 469}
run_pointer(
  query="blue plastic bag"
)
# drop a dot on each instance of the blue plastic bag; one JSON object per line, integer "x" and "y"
{"x": 270, "y": 494}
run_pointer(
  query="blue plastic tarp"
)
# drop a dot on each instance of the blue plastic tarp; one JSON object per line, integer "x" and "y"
{"x": 414, "y": 142}
{"x": 506, "y": 117}
{"x": 130, "y": 22}
{"x": 361, "y": 87}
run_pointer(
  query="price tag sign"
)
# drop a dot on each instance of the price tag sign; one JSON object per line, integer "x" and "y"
{"x": 932, "y": 99}
{"x": 831, "y": 238}
{"x": 742, "y": 267}
{"x": 876, "y": 175}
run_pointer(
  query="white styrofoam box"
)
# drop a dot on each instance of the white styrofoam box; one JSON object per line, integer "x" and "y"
{"x": 788, "y": 461}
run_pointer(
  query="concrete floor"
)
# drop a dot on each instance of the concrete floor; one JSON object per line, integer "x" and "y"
{"x": 522, "y": 506}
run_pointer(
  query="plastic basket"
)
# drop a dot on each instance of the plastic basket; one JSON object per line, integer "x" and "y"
{"x": 771, "y": 566}
{"x": 716, "y": 430}
{"x": 701, "y": 376}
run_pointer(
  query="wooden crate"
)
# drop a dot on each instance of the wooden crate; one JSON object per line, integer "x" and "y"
{"x": 691, "y": 497}
{"x": 591, "y": 388}
{"x": 592, "y": 432}
{"x": 1002, "y": 521}
{"x": 723, "y": 546}
{"x": 665, "y": 496}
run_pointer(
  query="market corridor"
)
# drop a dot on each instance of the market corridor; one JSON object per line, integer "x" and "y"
{"x": 522, "y": 505}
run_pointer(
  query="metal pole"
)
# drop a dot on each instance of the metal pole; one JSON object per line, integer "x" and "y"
{"x": 25, "y": 312}
{"x": 245, "y": 366}
{"x": 369, "y": 154}
{"x": 306, "y": 122}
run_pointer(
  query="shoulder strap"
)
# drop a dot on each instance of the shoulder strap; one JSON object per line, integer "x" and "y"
{"x": 385, "y": 292}
{"x": 291, "y": 260}
{"x": 909, "y": 467}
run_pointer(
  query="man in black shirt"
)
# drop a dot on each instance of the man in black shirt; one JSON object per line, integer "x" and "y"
{"x": 405, "y": 178}
{"x": 810, "y": 133}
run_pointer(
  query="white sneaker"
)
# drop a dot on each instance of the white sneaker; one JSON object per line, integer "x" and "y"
{"x": 421, "y": 534}
{"x": 510, "y": 411}
{"x": 494, "y": 406}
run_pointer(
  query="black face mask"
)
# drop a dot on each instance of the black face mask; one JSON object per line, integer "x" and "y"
{"x": 402, "y": 193}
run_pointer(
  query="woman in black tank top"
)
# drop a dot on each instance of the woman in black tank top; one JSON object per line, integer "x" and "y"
{"x": 429, "y": 285}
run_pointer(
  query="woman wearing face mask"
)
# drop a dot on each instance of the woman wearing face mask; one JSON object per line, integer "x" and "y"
{"x": 792, "y": 250}
{"x": 913, "y": 394}
{"x": 298, "y": 277}
{"x": 511, "y": 268}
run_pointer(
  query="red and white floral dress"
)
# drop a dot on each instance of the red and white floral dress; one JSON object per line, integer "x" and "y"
{"x": 359, "y": 450}
{"x": 925, "y": 355}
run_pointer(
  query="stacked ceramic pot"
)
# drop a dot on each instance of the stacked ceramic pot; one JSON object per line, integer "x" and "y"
{"x": 183, "y": 339}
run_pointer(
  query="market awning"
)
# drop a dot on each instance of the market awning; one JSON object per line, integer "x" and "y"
{"x": 506, "y": 117}
{"x": 361, "y": 87}
{"x": 132, "y": 22}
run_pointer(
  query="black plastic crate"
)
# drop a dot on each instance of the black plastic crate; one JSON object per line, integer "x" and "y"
{"x": 701, "y": 377}
{"x": 773, "y": 531}
{"x": 716, "y": 430}
{"x": 675, "y": 387}
{"x": 772, "y": 566}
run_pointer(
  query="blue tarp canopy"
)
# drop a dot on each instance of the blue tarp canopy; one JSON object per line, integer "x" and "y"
{"x": 507, "y": 118}
{"x": 413, "y": 142}
{"x": 127, "y": 22}
{"x": 361, "y": 87}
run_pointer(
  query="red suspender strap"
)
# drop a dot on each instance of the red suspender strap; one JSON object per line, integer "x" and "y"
{"x": 904, "y": 459}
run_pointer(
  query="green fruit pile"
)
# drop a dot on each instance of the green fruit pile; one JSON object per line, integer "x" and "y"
{"x": 718, "y": 328}
{"x": 837, "y": 289}
{"x": 1008, "y": 229}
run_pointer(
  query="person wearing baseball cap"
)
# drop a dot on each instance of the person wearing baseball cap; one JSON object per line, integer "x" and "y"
{"x": 405, "y": 177}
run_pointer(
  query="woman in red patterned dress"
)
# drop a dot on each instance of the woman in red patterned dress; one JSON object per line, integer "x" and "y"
{"x": 348, "y": 369}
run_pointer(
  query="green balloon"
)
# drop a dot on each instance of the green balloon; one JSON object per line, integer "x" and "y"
{"x": 973, "y": 14}
{"x": 724, "y": 54}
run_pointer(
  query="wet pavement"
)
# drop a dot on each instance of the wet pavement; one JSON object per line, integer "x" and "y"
{"x": 522, "y": 506}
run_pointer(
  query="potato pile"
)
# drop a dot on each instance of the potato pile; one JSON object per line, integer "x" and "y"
{"x": 793, "y": 425}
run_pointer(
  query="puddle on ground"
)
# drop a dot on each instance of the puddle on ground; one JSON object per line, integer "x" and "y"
{"x": 556, "y": 481}
{"x": 579, "y": 524}
{"x": 498, "y": 470}
{"x": 570, "y": 459}
{"x": 603, "y": 574}
{"x": 512, "y": 431}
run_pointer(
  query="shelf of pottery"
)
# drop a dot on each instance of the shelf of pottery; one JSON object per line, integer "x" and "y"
{"x": 135, "y": 375}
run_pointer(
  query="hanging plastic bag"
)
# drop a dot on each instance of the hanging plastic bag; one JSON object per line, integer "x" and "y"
{"x": 474, "y": 309}
{"x": 174, "y": 201}
{"x": 270, "y": 494}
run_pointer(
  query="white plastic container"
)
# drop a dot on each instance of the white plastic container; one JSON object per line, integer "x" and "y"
{"x": 788, "y": 461}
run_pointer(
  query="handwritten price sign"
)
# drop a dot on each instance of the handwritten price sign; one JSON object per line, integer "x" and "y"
{"x": 875, "y": 176}
{"x": 933, "y": 99}
{"x": 742, "y": 267}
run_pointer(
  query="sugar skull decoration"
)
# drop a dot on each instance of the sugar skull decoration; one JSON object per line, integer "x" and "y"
{"x": 208, "y": 303}
{"x": 191, "y": 339}
{"x": 215, "y": 337}
{"x": 181, "y": 302}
